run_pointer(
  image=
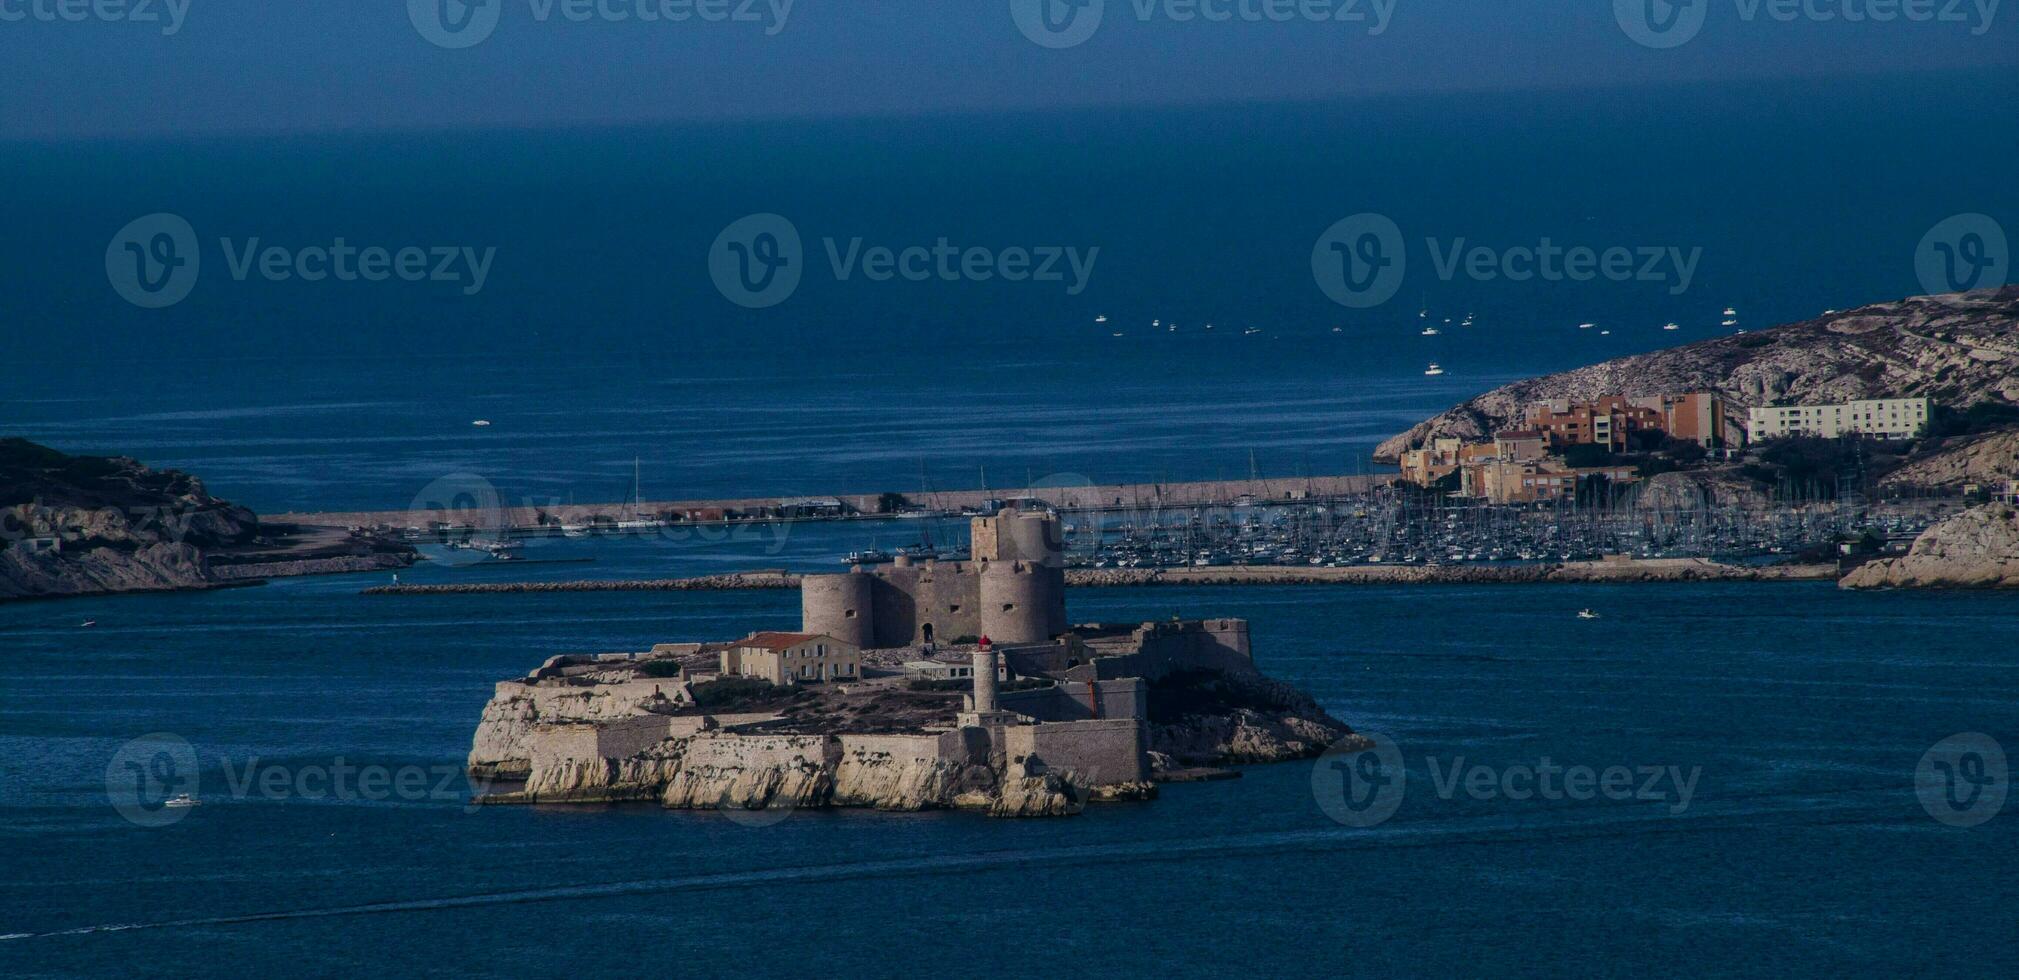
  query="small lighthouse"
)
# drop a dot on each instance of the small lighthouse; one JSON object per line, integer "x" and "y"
{"x": 984, "y": 677}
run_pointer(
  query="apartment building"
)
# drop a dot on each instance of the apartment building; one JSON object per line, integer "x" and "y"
{"x": 1884, "y": 418}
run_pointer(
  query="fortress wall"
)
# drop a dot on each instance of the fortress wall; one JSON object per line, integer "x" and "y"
{"x": 1102, "y": 751}
{"x": 907, "y": 748}
{"x": 550, "y": 747}
{"x": 1165, "y": 648}
{"x": 626, "y": 737}
{"x": 1075, "y": 700}
{"x": 841, "y": 606}
{"x": 760, "y": 751}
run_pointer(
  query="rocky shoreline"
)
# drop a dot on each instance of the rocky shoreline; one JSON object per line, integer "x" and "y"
{"x": 1977, "y": 549}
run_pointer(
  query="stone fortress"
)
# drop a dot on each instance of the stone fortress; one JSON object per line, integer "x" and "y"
{"x": 1054, "y": 715}
{"x": 1013, "y": 591}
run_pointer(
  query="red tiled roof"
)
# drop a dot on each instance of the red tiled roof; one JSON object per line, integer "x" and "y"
{"x": 776, "y": 641}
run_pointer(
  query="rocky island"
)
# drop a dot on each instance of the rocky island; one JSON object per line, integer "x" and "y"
{"x": 892, "y": 694}
{"x": 93, "y": 525}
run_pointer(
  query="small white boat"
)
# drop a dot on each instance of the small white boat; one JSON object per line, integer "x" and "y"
{"x": 1605, "y": 333}
{"x": 1431, "y": 331}
{"x": 1251, "y": 331}
{"x": 1731, "y": 323}
{"x": 87, "y": 624}
{"x": 1157, "y": 323}
{"x": 1731, "y": 311}
{"x": 1434, "y": 370}
{"x": 1118, "y": 333}
{"x": 1586, "y": 614}
{"x": 1586, "y": 326}
{"x": 481, "y": 423}
{"x": 182, "y": 800}
{"x": 1338, "y": 329}
{"x": 1671, "y": 326}
{"x": 1103, "y": 318}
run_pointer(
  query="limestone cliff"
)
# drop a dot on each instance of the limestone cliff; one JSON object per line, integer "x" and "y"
{"x": 1977, "y": 549}
{"x": 500, "y": 748}
{"x": 85, "y": 525}
{"x": 1959, "y": 349}
{"x": 1989, "y": 458}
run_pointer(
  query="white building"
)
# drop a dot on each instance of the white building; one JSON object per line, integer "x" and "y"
{"x": 1885, "y": 418}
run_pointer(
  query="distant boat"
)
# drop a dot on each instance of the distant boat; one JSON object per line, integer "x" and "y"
{"x": 1731, "y": 311}
{"x": 1251, "y": 331}
{"x": 1103, "y": 318}
{"x": 1118, "y": 333}
{"x": 1468, "y": 321}
{"x": 1731, "y": 323}
{"x": 1586, "y": 326}
{"x": 1209, "y": 326}
{"x": 1586, "y": 614}
{"x": 1671, "y": 326}
{"x": 87, "y": 624}
{"x": 1431, "y": 331}
{"x": 1156, "y": 323}
{"x": 1605, "y": 333}
{"x": 480, "y": 423}
{"x": 181, "y": 800}
{"x": 1434, "y": 370}
{"x": 1338, "y": 329}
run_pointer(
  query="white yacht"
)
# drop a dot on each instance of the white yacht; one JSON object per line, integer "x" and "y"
{"x": 1671, "y": 326}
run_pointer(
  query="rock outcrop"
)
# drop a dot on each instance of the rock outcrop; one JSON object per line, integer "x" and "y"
{"x": 1977, "y": 549}
{"x": 1987, "y": 458}
{"x": 88, "y": 525}
{"x": 1959, "y": 349}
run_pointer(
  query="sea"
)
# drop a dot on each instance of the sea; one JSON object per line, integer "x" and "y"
{"x": 1775, "y": 821}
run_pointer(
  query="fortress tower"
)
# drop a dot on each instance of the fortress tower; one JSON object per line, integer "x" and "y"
{"x": 1014, "y": 591}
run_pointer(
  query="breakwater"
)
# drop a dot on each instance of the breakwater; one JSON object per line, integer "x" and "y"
{"x": 1647, "y": 570}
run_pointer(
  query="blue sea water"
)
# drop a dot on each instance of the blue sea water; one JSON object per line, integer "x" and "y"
{"x": 599, "y": 339}
{"x": 1803, "y": 846}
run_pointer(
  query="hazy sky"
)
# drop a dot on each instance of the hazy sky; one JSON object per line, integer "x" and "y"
{"x": 240, "y": 65}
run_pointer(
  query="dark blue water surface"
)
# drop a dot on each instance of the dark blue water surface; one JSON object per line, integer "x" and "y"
{"x": 599, "y": 340}
{"x": 1804, "y": 845}
{"x": 599, "y": 337}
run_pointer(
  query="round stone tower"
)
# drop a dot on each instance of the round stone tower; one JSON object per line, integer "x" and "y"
{"x": 839, "y": 606}
{"x": 1022, "y": 602}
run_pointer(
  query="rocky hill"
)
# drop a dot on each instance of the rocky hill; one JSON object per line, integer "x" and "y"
{"x": 1977, "y": 549}
{"x": 1960, "y": 349}
{"x": 83, "y": 525}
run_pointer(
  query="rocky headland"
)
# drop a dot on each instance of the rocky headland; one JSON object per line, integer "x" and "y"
{"x": 94, "y": 525}
{"x": 1961, "y": 350}
{"x": 1977, "y": 549}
